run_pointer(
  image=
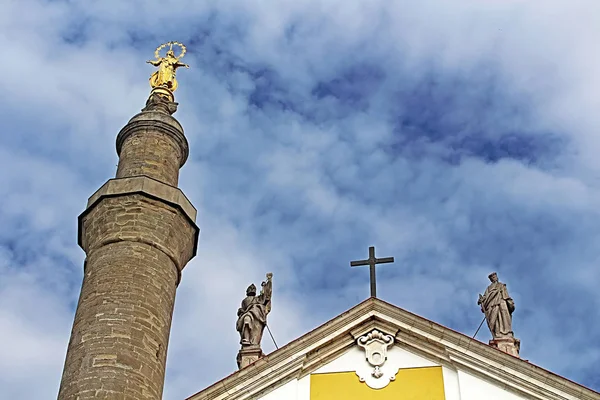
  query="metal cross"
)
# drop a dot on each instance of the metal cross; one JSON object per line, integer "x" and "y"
{"x": 371, "y": 262}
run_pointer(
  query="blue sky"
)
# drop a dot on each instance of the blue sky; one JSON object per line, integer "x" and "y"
{"x": 461, "y": 139}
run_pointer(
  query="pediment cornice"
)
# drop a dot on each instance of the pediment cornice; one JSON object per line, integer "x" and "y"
{"x": 411, "y": 332}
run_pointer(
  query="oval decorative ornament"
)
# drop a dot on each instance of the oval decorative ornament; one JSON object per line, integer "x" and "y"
{"x": 375, "y": 373}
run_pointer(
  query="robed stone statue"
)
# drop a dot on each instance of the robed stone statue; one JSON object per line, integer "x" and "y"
{"x": 498, "y": 307}
{"x": 252, "y": 315}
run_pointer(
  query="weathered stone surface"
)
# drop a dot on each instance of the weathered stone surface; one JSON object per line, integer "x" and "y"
{"x": 142, "y": 185}
{"x": 248, "y": 355}
{"x": 139, "y": 218}
{"x": 498, "y": 306}
{"x": 252, "y": 317}
{"x": 138, "y": 233}
{"x": 121, "y": 327}
{"x": 152, "y": 144}
{"x": 511, "y": 346}
{"x": 136, "y": 248}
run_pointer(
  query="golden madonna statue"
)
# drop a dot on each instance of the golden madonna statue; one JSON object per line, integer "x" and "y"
{"x": 167, "y": 65}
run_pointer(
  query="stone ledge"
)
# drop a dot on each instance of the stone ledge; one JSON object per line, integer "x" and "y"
{"x": 146, "y": 186}
{"x": 294, "y": 360}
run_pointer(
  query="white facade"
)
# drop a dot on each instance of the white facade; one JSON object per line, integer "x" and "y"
{"x": 473, "y": 388}
{"x": 470, "y": 370}
{"x": 458, "y": 385}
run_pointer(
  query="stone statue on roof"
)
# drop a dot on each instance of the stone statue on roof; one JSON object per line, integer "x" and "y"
{"x": 252, "y": 315}
{"x": 498, "y": 307}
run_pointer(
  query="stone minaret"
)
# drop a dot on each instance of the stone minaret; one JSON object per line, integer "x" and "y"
{"x": 138, "y": 233}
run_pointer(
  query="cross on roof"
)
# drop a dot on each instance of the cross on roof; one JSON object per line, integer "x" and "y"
{"x": 371, "y": 262}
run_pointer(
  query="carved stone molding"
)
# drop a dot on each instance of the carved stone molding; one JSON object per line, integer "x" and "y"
{"x": 160, "y": 102}
{"x": 375, "y": 372}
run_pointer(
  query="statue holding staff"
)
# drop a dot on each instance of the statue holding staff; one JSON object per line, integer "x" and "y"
{"x": 252, "y": 315}
{"x": 498, "y": 307}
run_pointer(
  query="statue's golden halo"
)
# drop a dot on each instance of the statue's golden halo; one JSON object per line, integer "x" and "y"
{"x": 170, "y": 44}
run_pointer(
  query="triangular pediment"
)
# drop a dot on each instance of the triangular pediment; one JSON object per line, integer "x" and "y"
{"x": 467, "y": 366}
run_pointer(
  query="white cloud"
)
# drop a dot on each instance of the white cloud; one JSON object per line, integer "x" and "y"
{"x": 302, "y": 189}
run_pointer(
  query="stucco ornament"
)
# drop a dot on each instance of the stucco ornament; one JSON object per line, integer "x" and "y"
{"x": 376, "y": 373}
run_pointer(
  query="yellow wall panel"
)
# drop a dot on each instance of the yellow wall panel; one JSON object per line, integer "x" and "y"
{"x": 410, "y": 384}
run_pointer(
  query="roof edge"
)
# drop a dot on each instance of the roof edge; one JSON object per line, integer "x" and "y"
{"x": 296, "y": 358}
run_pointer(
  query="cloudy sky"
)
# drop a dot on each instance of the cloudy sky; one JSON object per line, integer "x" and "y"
{"x": 459, "y": 137}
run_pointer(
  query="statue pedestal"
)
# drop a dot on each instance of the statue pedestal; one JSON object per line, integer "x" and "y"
{"x": 508, "y": 345}
{"x": 248, "y": 354}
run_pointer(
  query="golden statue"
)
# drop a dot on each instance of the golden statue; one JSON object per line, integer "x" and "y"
{"x": 165, "y": 76}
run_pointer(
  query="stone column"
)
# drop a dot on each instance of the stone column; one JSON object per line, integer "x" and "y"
{"x": 138, "y": 232}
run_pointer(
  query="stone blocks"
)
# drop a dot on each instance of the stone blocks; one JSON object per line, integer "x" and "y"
{"x": 152, "y": 144}
{"x": 138, "y": 235}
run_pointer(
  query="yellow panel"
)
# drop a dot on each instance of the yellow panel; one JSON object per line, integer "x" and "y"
{"x": 410, "y": 384}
